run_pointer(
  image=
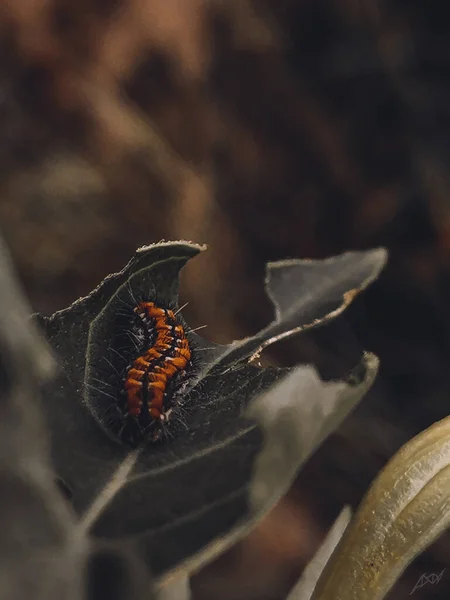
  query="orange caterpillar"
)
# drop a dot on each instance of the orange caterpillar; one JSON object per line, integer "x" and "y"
{"x": 149, "y": 375}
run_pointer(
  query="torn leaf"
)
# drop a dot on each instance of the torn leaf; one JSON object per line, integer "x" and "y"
{"x": 195, "y": 489}
{"x": 307, "y": 294}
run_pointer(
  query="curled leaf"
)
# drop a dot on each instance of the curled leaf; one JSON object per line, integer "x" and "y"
{"x": 296, "y": 416}
{"x": 405, "y": 510}
{"x": 185, "y": 497}
{"x": 327, "y": 288}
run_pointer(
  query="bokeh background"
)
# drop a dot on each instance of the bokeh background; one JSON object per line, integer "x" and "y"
{"x": 266, "y": 129}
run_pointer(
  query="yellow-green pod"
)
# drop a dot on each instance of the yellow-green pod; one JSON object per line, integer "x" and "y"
{"x": 404, "y": 511}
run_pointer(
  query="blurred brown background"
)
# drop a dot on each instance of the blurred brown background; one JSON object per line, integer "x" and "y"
{"x": 267, "y": 129}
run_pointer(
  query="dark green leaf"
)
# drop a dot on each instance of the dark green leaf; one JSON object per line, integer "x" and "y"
{"x": 38, "y": 558}
{"x": 307, "y": 294}
{"x": 174, "y": 498}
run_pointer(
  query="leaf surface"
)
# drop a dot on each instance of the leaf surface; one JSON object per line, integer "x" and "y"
{"x": 189, "y": 496}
